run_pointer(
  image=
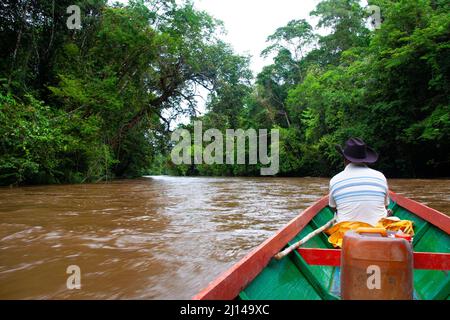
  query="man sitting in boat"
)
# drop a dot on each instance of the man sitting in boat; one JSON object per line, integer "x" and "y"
{"x": 359, "y": 193}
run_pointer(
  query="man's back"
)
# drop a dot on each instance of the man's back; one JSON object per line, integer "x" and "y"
{"x": 359, "y": 194}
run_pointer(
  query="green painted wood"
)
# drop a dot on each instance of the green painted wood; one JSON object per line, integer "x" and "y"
{"x": 323, "y": 274}
{"x": 243, "y": 296}
{"x": 292, "y": 278}
{"x": 432, "y": 284}
{"x": 420, "y": 232}
{"x": 281, "y": 280}
{"x": 322, "y": 284}
{"x": 321, "y": 219}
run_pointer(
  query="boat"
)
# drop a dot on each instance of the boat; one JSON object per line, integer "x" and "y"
{"x": 311, "y": 272}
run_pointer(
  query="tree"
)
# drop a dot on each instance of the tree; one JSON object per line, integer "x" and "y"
{"x": 346, "y": 21}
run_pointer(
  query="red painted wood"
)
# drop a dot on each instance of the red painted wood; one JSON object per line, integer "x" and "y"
{"x": 228, "y": 285}
{"x": 332, "y": 257}
{"x": 433, "y": 216}
{"x": 321, "y": 257}
{"x": 431, "y": 261}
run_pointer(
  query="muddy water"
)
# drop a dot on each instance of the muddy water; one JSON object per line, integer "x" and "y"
{"x": 150, "y": 238}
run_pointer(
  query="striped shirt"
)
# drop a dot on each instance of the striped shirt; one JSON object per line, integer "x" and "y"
{"x": 359, "y": 194}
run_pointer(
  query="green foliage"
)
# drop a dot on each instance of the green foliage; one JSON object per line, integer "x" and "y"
{"x": 29, "y": 144}
{"x": 106, "y": 89}
{"x": 99, "y": 102}
{"x": 389, "y": 86}
{"x": 40, "y": 144}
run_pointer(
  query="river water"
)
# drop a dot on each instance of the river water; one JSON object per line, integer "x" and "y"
{"x": 150, "y": 238}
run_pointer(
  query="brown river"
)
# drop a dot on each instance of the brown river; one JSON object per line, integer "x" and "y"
{"x": 150, "y": 238}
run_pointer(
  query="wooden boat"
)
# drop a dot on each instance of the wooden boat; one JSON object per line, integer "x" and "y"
{"x": 311, "y": 273}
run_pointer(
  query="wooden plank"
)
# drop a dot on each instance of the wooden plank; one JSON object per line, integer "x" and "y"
{"x": 433, "y": 216}
{"x": 431, "y": 261}
{"x": 228, "y": 285}
{"x": 321, "y": 257}
{"x": 332, "y": 257}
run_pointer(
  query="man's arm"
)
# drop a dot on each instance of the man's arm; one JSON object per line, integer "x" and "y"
{"x": 387, "y": 200}
{"x": 331, "y": 201}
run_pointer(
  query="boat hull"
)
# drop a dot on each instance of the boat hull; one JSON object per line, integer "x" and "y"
{"x": 259, "y": 276}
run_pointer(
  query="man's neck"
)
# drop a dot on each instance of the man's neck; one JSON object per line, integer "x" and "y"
{"x": 353, "y": 164}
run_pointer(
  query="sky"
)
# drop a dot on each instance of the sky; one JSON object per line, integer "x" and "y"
{"x": 249, "y": 22}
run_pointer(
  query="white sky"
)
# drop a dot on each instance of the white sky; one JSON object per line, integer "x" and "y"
{"x": 249, "y": 22}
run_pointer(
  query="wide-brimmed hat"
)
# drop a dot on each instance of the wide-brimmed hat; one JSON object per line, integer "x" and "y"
{"x": 356, "y": 150}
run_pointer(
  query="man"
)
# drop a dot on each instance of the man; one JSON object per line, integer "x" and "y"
{"x": 359, "y": 193}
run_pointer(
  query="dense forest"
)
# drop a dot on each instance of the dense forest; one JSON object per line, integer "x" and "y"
{"x": 99, "y": 102}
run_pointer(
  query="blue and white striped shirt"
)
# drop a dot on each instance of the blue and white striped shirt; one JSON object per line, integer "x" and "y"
{"x": 359, "y": 194}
